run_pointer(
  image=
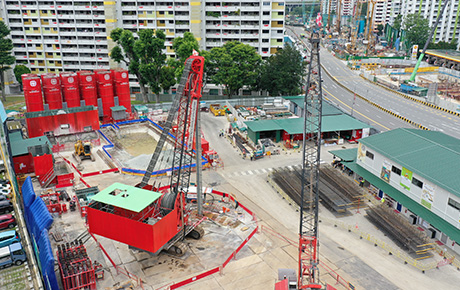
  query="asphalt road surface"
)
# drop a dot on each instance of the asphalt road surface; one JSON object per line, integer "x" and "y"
{"x": 431, "y": 118}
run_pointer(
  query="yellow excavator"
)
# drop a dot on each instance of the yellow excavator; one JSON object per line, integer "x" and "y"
{"x": 83, "y": 151}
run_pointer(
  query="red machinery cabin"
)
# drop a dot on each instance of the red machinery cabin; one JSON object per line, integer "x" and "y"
{"x": 135, "y": 216}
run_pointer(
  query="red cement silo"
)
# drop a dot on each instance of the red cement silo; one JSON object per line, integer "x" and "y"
{"x": 88, "y": 88}
{"x": 121, "y": 83}
{"x": 52, "y": 90}
{"x": 70, "y": 89}
{"x": 32, "y": 92}
{"x": 105, "y": 91}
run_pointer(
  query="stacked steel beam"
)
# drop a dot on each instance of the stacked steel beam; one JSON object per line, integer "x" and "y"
{"x": 77, "y": 271}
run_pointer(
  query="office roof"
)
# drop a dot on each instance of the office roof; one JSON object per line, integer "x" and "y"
{"x": 327, "y": 110}
{"x": 20, "y": 146}
{"x": 126, "y": 197}
{"x": 433, "y": 155}
{"x": 333, "y": 123}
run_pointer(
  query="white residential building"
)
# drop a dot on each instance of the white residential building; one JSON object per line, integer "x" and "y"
{"x": 70, "y": 35}
{"x": 447, "y": 28}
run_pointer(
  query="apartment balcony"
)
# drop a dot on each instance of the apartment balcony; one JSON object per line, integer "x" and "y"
{"x": 70, "y": 58}
{"x": 277, "y": 6}
{"x": 64, "y": 8}
{"x": 250, "y": 8}
{"x": 51, "y": 41}
{"x": 214, "y": 43}
{"x": 16, "y": 24}
{"x": 70, "y": 49}
{"x": 249, "y": 25}
{"x": 20, "y": 49}
{"x": 181, "y": 8}
{"x": 129, "y": 17}
{"x": 14, "y": 16}
{"x": 181, "y": 17}
{"x": 249, "y": 35}
{"x": 276, "y": 42}
{"x": 84, "y": 25}
{"x": 275, "y": 15}
{"x": 12, "y": 6}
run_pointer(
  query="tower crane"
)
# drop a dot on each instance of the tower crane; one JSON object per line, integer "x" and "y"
{"x": 370, "y": 26}
{"x": 308, "y": 233}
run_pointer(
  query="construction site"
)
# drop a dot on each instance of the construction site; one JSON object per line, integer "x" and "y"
{"x": 359, "y": 34}
{"x": 200, "y": 195}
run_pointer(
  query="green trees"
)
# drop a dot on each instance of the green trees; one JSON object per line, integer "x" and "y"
{"x": 397, "y": 22}
{"x": 19, "y": 70}
{"x": 233, "y": 65}
{"x": 145, "y": 58}
{"x": 282, "y": 73}
{"x": 417, "y": 29}
{"x": 183, "y": 47}
{"x": 6, "y": 59}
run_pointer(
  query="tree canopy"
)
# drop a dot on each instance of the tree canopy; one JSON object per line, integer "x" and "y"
{"x": 417, "y": 29}
{"x": 6, "y": 59}
{"x": 183, "y": 47}
{"x": 19, "y": 70}
{"x": 234, "y": 65}
{"x": 282, "y": 73}
{"x": 397, "y": 22}
{"x": 144, "y": 57}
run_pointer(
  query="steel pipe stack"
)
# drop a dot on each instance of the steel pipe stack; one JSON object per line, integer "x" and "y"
{"x": 77, "y": 271}
{"x": 52, "y": 90}
{"x": 32, "y": 92}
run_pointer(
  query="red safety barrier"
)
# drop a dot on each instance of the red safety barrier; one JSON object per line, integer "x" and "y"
{"x": 84, "y": 182}
{"x": 100, "y": 172}
{"x": 214, "y": 270}
{"x": 195, "y": 278}
{"x": 123, "y": 271}
{"x": 234, "y": 200}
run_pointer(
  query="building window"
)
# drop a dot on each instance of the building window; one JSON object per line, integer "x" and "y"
{"x": 417, "y": 182}
{"x": 266, "y": 13}
{"x": 454, "y": 204}
{"x": 264, "y": 40}
{"x": 266, "y": 3}
{"x": 396, "y": 170}
{"x": 265, "y": 31}
{"x": 370, "y": 155}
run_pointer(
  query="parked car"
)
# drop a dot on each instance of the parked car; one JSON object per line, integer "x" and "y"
{"x": 7, "y": 221}
{"x": 3, "y": 197}
{"x": 12, "y": 254}
{"x": 6, "y": 206}
{"x": 5, "y": 191}
{"x": 4, "y": 181}
{"x": 9, "y": 237}
{"x": 5, "y": 186}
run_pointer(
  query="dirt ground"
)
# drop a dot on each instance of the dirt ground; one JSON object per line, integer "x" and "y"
{"x": 137, "y": 143}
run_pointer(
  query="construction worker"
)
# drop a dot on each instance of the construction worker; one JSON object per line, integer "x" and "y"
{"x": 361, "y": 182}
{"x": 252, "y": 156}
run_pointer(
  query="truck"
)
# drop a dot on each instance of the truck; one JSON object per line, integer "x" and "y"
{"x": 12, "y": 254}
{"x": 217, "y": 110}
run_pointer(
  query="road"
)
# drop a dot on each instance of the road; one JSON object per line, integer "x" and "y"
{"x": 429, "y": 117}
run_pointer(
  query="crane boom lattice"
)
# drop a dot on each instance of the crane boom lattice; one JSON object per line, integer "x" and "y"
{"x": 308, "y": 241}
{"x": 189, "y": 89}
